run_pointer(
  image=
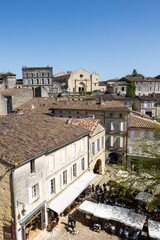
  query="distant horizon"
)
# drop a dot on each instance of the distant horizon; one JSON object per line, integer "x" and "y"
{"x": 108, "y": 37}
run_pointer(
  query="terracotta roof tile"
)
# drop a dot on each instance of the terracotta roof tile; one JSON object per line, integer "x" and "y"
{"x": 13, "y": 91}
{"x": 139, "y": 122}
{"x": 25, "y": 136}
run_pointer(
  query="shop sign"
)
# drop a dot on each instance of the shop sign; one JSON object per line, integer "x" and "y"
{"x": 7, "y": 232}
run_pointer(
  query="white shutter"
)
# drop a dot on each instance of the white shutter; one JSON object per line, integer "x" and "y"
{"x": 111, "y": 141}
{"x": 104, "y": 141}
{"x": 56, "y": 185}
{"x": 73, "y": 150}
{"x": 82, "y": 145}
{"x": 49, "y": 189}
{"x": 76, "y": 170}
{"x": 132, "y": 134}
{"x": 111, "y": 126}
{"x": 84, "y": 163}
{"x": 96, "y": 147}
{"x": 51, "y": 163}
{"x": 40, "y": 189}
{"x": 71, "y": 173}
{"x": 61, "y": 180}
{"x": 100, "y": 143}
{"x": 120, "y": 126}
{"x": 63, "y": 155}
{"x": 121, "y": 142}
{"x": 92, "y": 149}
{"x": 67, "y": 176}
{"x": 30, "y": 195}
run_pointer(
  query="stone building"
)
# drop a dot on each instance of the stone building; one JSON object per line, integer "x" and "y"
{"x": 96, "y": 142}
{"x": 7, "y": 80}
{"x": 50, "y": 165}
{"x": 3, "y": 105}
{"x": 79, "y": 81}
{"x": 34, "y": 77}
{"x": 144, "y": 85}
{"x": 113, "y": 114}
{"x": 140, "y": 129}
{"x": 148, "y": 105}
{"x": 15, "y": 98}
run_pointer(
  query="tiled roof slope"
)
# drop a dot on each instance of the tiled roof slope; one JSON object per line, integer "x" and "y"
{"x": 25, "y": 136}
{"x": 91, "y": 105}
{"x": 89, "y": 124}
{"x": 139, "y": 122}
{"x": 13, "y": 91}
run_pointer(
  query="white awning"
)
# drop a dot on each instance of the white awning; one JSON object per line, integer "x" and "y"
{"x": 135, "y": 220}
{"x": 115, "y": 213}
{"x": 145, "y": 197}
{"x": 62, "y": 201}
{"x": 154, "y": 229}
{"x": 88, "y": 207}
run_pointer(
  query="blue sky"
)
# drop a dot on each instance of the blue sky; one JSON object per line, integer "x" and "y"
{"x": 111, "y": 37}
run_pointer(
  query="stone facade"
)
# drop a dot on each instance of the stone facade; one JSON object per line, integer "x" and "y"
{"x": 34, "y": 77}
{"x": 16, "y": 97}
{"x": 3, "y": 105}
{"x": 6, "y": 203}
{"x": 78, "y": 81}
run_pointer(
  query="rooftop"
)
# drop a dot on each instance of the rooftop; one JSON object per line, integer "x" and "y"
{"x": 35, "y": 132}
{"x": 139, "y": 122}
{"x": 91, "y": 105}
{"x": 13, "y": 91}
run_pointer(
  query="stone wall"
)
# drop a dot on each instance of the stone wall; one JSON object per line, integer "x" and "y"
{"x": 19, "y": 99}
{"x": 3, "y": 105}
{"x": 6, "y": 215}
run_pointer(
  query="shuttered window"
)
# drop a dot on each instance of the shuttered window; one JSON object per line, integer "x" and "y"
{"x": 111, "y": 141}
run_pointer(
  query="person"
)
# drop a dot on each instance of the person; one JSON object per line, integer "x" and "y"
{"x": 73, "y": 225}
{"x": 84, "y": 220}
{"x": 120, "y": 231}
{"x": 98, "y": 195}
{"x": 69, "y": 219}
{"x": 92, "y": 188}
{"x": 104, "y": 185}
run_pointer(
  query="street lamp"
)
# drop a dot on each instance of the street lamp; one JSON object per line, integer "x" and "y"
{"x": 23, "y": 206}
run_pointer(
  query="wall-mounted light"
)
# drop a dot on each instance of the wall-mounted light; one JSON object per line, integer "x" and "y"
{"x": 23, "y": 206}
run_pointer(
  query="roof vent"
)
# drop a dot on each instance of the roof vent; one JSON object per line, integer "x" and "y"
{"x": 44, "y": 104}
{"x": 86, "y": 103}
{"x": 65, "y": 103}
{"x": 19, "y": 111}
{"x": 32, "y": 106}
{"x": 46, "y": 120}
{"x": 67, "y": 121}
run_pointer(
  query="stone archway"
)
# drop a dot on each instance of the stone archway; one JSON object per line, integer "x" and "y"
{"x": 115, "y": 158}
{"x": 98, "y": 167}
{"x": 81, "y": 87}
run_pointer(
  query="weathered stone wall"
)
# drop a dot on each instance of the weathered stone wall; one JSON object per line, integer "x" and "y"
{"x": 6, "y": 216}
{"x": 20, "y": 98}
{"x": 3, "y": 105}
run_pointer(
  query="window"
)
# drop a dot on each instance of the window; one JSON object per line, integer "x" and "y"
{"x": 73, "y": 150}
{"x": 32, "y": 166}
{"x": 98, "y": 145}
{"x": 145, "y": 104}
{"x": 42, "y": 74}
{"x": 81, "y": 75}
{"x": 53, "y": 186}
{"x": 103, "y": 141}
{"x": 37, "y": 74}
{"x": 111, "y": 115}
{"x": 37, "y": 81}
{"x": 92, "y": 149}
{"x": 42, "y": 81}
{"x": 27, "y": 75}
{"x": 48, "y": 81}
{"x": 121, "y": 126}
{"x": 32, "y": 81}
{"x": 120, "y": 142}
{"x": 27, "y": 82}
{"x": 122, "y": 88}
{"x": 120, "y": 115}
{"x": 132, "y": 134}
{"x": 82, "y": 145}
{"x": 82, "y": 164}
{"x": 34, "y": 191}
{"x": 131, "y": 149}
{"x": 111, "y": 141}
{"x": 63, "y": 155}
{"x": 139, "y": 88}
{"x": 51, "y": 163}
{"x": 111, "y": 126}
{"x": 65, "y": 177}
{"x": 152, "y": 104}
{"x": 48, "y": 74}
{"x": 75, "y": 170}
{"x": 32, "y": 74}
{"x": 141, "y": 135}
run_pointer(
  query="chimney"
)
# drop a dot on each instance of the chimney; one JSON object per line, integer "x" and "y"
{"x": 101, "y": 100}
{"x": 67, "y": 121}
{"x": 19, "y": 111}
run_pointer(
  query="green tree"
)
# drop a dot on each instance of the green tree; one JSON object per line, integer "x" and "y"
{"x": 131, "y": 89}
{"x": 134, "y": 73}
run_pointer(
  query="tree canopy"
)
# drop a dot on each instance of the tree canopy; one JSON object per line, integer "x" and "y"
{"x": 131, "y": 89}
{"x": 135, "y": 74}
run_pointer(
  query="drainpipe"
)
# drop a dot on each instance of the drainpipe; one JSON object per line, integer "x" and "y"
{"x": 14, "y": 206}
{"x": 127, "y": 141}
